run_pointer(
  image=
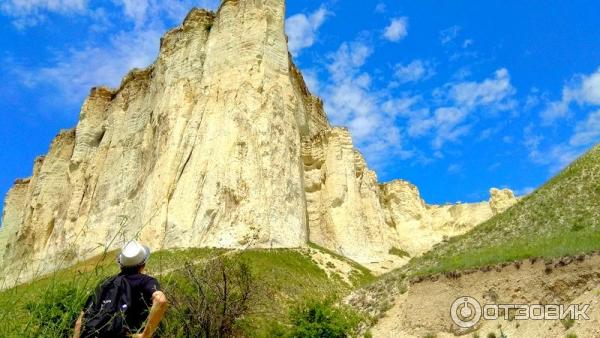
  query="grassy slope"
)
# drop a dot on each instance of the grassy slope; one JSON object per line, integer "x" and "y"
{"x": 289, "y": 276}
{"x": 561, "y": 218}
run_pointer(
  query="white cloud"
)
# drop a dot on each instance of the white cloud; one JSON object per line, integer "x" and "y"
{"x": 555, "y": 157}
{"x": 449, "y": 34}
{"x": 136, "y": 10}
{"x": 414, "y": 71}
{"x": 29, "y": 13}
{"x": 348, "y": 59}
{"x": 400, "y": 107}
{"x": 147, "y": 12}
{"x": 445, "y": 125}
{"x": 75, "y": 71}
{"x": 554, "y": 111}
{"x": 311, "y": 78}
{"x": 450, "y": 122}
{"x": 587, "y": 132}
{"x": 589, "y": 92}
{"x": 352, "y": 101}
{"x": 302, "y": 29}
{"x": 380, "y": 8}
{"x": 397, "y": 29}
{"x": 72, "y": 72}
{"x": 455, "y": 168}
{"x": 582, "y": 89}
{"x": 494, "y": 93}
{"x": 27, "y": 7}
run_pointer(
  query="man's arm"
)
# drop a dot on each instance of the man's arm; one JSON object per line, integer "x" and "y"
{"x": 159, "y": 307}
{"x": 78, "y": 323}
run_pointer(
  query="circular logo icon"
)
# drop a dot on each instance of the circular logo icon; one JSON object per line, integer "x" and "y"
{"x": 465, "y": 312}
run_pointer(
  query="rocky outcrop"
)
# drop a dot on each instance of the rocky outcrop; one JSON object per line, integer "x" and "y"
{"x": 219, "y": 143}
{"x": 420, "y": 226}
{"x": 501, "y": 200}
{"x": 344, "y": 206}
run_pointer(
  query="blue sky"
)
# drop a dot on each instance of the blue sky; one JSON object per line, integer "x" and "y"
{"x": 455, "y": 96}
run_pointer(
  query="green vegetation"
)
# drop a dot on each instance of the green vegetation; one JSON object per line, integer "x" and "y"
{"x": 209, "y": 300}
{"x": 55, "y": 311}
{"x": 283, "y": 279}
{"x": 321, "y": 319}
{"x": 360, "y": 276}
{"x": 568, "y": 323}
{"x": 561, "y": 218}
{"x": 398, "y": 252}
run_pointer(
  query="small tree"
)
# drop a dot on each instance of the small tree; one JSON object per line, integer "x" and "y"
{"x": 208, "y": 301}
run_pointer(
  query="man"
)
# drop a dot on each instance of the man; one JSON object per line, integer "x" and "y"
{"x": 148, "y": 303}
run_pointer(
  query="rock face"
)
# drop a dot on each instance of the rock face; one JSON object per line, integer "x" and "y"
{"x": 420, "y": 226}
{"x": 219, "y": 143}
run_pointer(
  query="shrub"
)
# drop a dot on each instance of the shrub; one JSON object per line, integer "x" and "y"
{"x": 209, "y": 301}
{"x": 568, "y": 323}
{"x": 578, "y": 226}
{"x": 322, "y": 319}
{"x": 398, "y": 252}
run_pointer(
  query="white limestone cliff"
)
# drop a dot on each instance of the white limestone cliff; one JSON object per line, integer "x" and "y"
{"x": 219, "y": 143}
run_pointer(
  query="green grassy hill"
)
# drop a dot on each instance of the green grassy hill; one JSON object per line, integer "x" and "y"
{"x": 47, "y": 307}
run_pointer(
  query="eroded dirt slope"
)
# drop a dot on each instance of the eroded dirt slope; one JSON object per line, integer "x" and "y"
{"x": 425, "y": 306}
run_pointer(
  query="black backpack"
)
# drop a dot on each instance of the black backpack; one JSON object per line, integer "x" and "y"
{"x": 106, "y": 313}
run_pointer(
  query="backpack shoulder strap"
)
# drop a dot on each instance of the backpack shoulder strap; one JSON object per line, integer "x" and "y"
{"x": 125, "y": 292}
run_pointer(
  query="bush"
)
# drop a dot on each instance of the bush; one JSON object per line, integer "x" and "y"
{"x": 209, "y": 301}
{"x": 568, "y": 323}
{"x": 322, "y": 319}
{"x": 398, "y": 252}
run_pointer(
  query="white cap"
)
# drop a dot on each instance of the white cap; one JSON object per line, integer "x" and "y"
{"x": 133, "y": 254}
